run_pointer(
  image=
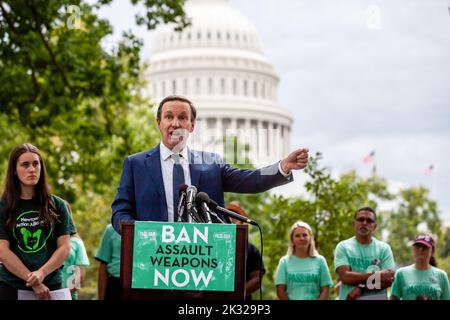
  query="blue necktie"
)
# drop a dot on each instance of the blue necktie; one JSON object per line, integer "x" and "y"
{"x": 178, "y": 181}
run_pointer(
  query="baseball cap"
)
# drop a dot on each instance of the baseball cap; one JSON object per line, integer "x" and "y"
{"x": 426, "y": 240}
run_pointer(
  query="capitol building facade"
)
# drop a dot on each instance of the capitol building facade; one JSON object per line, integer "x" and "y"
{"x": 217, "y": 62}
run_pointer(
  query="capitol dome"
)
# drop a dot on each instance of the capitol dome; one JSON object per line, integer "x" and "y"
{"x": 218, "y": 63}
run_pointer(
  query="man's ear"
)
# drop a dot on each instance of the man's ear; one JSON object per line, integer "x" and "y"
{"x": 192, "y": 126}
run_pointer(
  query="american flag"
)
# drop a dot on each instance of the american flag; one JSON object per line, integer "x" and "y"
{"x": 370, "y": 157}
{"x": 429, "y": 170}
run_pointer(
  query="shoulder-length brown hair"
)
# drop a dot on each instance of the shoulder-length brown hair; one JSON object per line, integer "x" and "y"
{"x": 42, "y": 191}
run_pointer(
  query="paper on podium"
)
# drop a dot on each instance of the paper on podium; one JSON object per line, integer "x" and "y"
{"x": 61, "y": 294}
{"x": 377, "y": 296}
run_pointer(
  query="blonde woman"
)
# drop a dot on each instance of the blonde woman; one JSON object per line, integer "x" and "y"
{"x": 302, "y": 274}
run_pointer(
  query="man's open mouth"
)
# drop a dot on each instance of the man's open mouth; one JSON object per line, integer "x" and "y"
{"x": 177, "y": 135}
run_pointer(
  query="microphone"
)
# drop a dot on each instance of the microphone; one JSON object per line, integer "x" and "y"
{"x": 195, "y": 216}
{"x": 182, "y": 201}
{"x": 202, "y": 199}
{"x": 191, "y": 192}
{"x": 212, "y": 204}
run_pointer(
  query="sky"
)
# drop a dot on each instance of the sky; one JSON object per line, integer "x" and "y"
{"x": 357, "y": 76}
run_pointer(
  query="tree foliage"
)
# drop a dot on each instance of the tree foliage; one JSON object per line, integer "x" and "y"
{"x": 329, "y": 207}
{"x": 64, "y": 92}
{"x": 78, "y": 102}
{"x": 416, "y": 213}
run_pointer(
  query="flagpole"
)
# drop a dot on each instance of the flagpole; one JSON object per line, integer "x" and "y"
{"x": 434, "y": 183}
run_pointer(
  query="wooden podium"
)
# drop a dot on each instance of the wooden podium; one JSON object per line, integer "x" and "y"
{"x": 126, "y": 267}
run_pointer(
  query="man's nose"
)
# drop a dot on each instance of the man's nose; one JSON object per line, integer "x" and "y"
{"x": 175, "y": 122}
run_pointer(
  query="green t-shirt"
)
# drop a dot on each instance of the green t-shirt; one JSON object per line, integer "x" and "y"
{"x": 375, "y": 256}
{"x": 109, "y": 251}
{"x": 77, "y": 257}
{"x": 303, "y": 277}
{"x": 413, "y": 284}
{"x": 33, "y": 243}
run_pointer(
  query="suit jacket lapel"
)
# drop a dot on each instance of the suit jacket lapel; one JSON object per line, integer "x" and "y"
{"x": 194, "y": 167}
{"x": 153, "y": 165}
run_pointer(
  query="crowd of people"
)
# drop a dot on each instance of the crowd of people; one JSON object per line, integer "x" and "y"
{"x": 40, "y": 250}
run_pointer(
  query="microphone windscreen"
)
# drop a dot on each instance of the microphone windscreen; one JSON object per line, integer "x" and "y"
{"x": 201, "y": 197}
{"x": 182, "y": 189}
{"x": 191, "y": 189}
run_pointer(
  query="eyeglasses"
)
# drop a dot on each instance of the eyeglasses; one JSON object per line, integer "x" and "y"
{"x": 367, "y": 220}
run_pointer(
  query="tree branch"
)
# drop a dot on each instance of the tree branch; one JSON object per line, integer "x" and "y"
{"x": 38, "y": 24}
{"x": 36, "y": 86}
{"x": 21, "y": 105}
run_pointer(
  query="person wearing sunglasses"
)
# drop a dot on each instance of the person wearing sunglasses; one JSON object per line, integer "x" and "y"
{"x": 422, "y": 280}
{"x": 364, "y": 264}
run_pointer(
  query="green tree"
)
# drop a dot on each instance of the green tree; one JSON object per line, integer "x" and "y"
{"x": 64, "y": 92}
{"x": 443, "y": 250}
{"x": 78, "y": 102}
{"x": 416, "y": 213}
{"x": 328, "y": 208}
{"x": 443, "y": 245}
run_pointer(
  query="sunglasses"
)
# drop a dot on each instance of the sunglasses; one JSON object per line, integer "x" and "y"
{"x": 362, "y": 219}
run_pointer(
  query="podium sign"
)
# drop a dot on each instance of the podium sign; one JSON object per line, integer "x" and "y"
{"x": 184, "y": 256}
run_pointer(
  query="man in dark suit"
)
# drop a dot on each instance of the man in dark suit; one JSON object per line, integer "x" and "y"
{"x": 148, "y": 189}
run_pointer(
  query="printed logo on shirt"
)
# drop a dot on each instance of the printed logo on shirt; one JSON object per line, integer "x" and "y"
{"x": 423, "y": 291}
{"x": 433, "y": 279}
{"x": 29, "y": 233}
{"x": 360, "y": 264}
{"x": 302, "y": 277}
{"x": 31, "y": 240}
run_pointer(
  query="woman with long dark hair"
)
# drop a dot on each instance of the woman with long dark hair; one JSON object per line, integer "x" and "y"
{"x": 35, "y": 228}
{"x": 421, "y": 280}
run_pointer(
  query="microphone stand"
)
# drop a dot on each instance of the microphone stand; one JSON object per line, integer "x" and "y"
{"x": 212, "y": 213}
{"x": 206, "y": 212}
{"x": 181, "y": 206}
{"x": 193, "y": 213}
{"x": 235, "y": 215}
{"x": 180, "y": 212}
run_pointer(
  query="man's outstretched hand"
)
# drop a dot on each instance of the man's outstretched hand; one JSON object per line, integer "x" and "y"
{"x": 297, "y": 159}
